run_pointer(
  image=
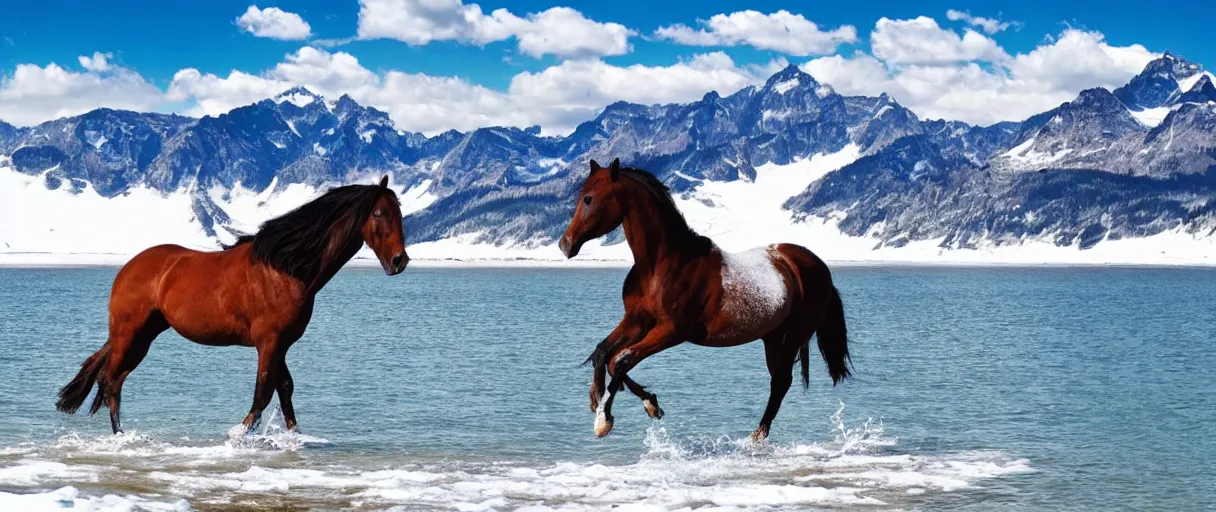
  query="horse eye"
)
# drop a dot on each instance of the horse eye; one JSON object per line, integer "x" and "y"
{"x": 586, "y": 199}
{"x": 378, "y": 212}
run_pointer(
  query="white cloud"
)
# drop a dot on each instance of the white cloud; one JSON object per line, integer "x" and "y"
{"x": 861, "y": 75}
{"x": 781, "y": 31}
{"x": 1010, "y": 89}
{"x": 989, "y": 25}
{"x": 274, "y": 23}
{"x": 968, "y": 88}
{"x": 1080, "y": 59}
{"x": 922, "y": 41}
{"x": 557, "y": 98}
{"x": 571, "y": 92}
{"x": 559, "y": 31}
{"x": 33, "y": 94}
{"x": 99, "y": 62}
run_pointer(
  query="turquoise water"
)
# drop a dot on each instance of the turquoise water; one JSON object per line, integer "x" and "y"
{"x": 461, "y": 388}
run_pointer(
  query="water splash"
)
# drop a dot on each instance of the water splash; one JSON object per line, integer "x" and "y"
{"x": 868, "y": 436}
{"x": 857, "y": 464}
{"x": 863, "y": 438}
{"x": 270, "y": 434}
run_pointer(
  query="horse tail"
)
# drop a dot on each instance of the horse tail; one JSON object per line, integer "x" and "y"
{"x": 600, "y": 354}
{"x": 72, "y": 395}
{"x": 833, "y": 338}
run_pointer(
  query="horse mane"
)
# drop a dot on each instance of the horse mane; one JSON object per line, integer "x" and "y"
{"x": 674, "y": 218}
{"x": 299, "y": 242}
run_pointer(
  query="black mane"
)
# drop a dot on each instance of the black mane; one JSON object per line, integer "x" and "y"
{"x": 296, "y": 242}
{"x": 676, "y": 218}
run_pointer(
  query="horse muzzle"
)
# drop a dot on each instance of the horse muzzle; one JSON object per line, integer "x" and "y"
{"x": 568, "y": 248}
{"x": 397, "y": 264}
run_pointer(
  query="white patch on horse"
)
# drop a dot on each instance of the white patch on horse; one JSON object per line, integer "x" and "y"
{"x": 602, "y": 425}
{"x": 753, "y": 292}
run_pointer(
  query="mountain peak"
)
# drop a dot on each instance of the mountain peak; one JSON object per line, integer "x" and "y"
{"x": 1096, "y": 99}
{"x": 1172, "y": 66}
{"x": 1202, "y": 92}
{"x": 298, "y": 95}
{"x": 789, "y": 77}
{"x": 1160, "y": 83}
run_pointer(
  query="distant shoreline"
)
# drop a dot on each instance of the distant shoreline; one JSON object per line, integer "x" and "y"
{"x": 89, "y": 260}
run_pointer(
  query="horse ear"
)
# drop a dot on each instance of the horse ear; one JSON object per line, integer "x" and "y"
{"x": 615, "y": 168}
{"x": 595, "y": 166}
{"x": 384, "y": 181}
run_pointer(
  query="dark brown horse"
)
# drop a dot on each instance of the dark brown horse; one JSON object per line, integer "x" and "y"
{"x": 257, "y": 293}
{"x": 684, "y": 288}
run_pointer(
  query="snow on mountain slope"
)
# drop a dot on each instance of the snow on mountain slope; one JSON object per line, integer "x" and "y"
{"x": 739, "y": 215}
{"x": 742, "y": 214}
{"x": 58, "y": 226}
{"x": 1188, "y": 83}
{"x": 1151, "y": 117}
{"x": 38, "y": 220}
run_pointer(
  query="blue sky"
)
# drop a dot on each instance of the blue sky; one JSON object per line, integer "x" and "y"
{"x": 151, "y": 44}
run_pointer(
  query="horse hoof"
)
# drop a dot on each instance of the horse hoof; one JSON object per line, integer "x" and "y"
{"x": 603, "y": 425}
{"x": 652, "y": 408}
{"x": 760, "y": 434}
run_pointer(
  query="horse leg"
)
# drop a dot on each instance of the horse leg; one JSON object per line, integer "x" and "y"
{"x": 129, "y": 346}
{"x": 269, "y": 361}
{"x": 285, "y": 387}
{"x": 625, "y": 332}
{"x": 661, "y": 337}
{"x": 780, "y": 359}
{"x": 650, "y": 401}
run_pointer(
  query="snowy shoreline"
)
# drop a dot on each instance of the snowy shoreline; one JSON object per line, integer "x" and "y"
{"x": 90, "y": 260}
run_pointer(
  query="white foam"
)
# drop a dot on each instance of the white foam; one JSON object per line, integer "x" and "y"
{"x": 857, "y": 467}
{"x": 29, "y": 473}
{"x": 270, "y": 438}
{"x": 70, "y": 498}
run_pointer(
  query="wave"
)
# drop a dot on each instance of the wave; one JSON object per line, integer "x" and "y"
{"x": 860, "y": 465}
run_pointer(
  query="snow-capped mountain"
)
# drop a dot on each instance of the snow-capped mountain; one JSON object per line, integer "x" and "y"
{"x": 786, "y": 157}
{"x": 1160, "y": 84}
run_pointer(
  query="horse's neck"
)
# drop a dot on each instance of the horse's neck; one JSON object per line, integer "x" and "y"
{"x": 651, "y": 241}
{"x": 330, "y": 268}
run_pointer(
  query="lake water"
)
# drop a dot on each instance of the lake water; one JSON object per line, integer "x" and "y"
{"x": 461, "y": 389}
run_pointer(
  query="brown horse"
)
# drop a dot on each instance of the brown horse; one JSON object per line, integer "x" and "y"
{"x": 257, "y": 293}
{"x": 684, "y": 288}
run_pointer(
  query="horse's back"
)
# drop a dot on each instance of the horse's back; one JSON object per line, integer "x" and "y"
{"x": 145, "y": 269}
{"x": 812, "y": 276}
{"x": 809, "y": 266}
{"x": 754, "y": 299}
{"x": 141, "y": 280}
